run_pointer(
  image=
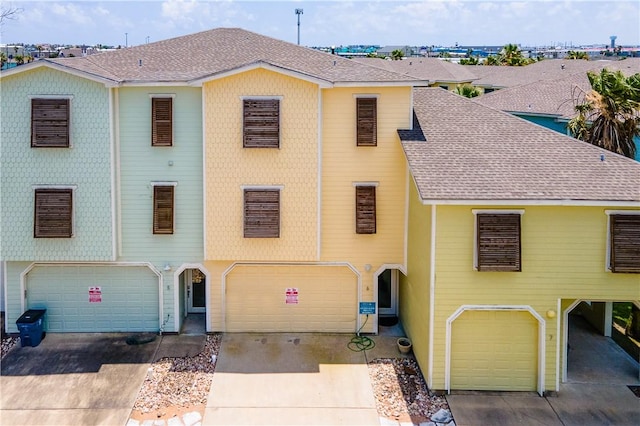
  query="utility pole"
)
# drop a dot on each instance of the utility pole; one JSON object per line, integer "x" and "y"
{"x": 126, "y": 39}
{"x": 299, "y": 12}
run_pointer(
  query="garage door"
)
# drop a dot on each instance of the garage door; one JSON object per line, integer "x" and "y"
{"x": 321, "y": 298}
{"x": 127, "y": 299}
{"x": 494, "y": 350}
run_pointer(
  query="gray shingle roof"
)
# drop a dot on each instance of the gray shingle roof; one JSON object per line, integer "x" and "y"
{"x": 432, "y": 69}
{"x": 208, "y": 53}
{"x": 553, "y": 96}
{"x": 548, "y": 69}
{"x": 473, "y": 152}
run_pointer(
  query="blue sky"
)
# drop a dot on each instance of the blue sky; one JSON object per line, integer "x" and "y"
{"x": 326, "y": 23}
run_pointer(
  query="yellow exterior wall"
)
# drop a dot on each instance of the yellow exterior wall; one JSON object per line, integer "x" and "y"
{"x": 414, "y": 293}
{"x": 492, "y": 350}
{"x": 563, "y": 257}
{"x": 307, "y": 146}
{"x": 344, "y": 163}
{"x": 229, "y": 167}
{"x": 256, "y": 298}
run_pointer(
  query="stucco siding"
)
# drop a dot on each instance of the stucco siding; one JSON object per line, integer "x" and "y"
{"x": 293, "y": 167}
{"x": 86, "y": 166}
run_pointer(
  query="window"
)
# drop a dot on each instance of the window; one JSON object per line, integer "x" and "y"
{"x": 624, "y": 250}
{"x": 261, "y": 123}
{"x": 49, "y": 123}
{"x": 366, "y": 117}
{"x": 261, "y": 213}
{"x": 162, "y": 121}
{"x": 163, "y": 209}
{"x": 53, "y": 213}
{"x": 365, "y": 209}
{"x": 498, "y": 241}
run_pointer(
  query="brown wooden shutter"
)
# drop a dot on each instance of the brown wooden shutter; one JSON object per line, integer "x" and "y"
{"x": 50, "y": 123}
{"x": 161, "y": 121}
{"x": 367, "y": 121}
{"x": 163, "y": 209}
{"x": 498, "y": 237}
{"x": 625, "y": 243}
{"x": 365, "y": 209}
{"x": 53, "y": 213}
{"x": 261, "y": 123}
{"x": 261, "y": 213}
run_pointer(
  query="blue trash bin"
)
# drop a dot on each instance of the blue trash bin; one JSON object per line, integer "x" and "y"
{"x": 30, "y": 325}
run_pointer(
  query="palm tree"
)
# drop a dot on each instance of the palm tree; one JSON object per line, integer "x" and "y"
{"x": 609, "y": 114}
{"x": 467, "y": 90}
{"x": 574, "y": 54}
{"x": 3, "y": 59}
{"x": 19, "y": 59}
{"x": 491, "y": 60}
{"x": 397, "y": 54}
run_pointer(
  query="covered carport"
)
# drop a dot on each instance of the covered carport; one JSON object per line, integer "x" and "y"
{"x": 591, "y": 355}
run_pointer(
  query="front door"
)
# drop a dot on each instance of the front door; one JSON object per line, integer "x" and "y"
{"x": 196, "y": 295}
{"x": 388, "y": 293}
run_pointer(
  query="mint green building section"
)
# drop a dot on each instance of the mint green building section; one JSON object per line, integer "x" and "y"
{"x": 125, "y": 298}
{"x": 86, "y": 166}
{"x": 142, "y": 164}
{"x": 128, "y": 302}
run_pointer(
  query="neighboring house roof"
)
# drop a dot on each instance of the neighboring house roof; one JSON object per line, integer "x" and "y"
{"x": 546, "y": 97}
{"x": 552, "y": 96}
{"x": 547, "y": 69}
{"x": 470, "y": 153}
{"x": 195, "y": 58}
{"x": 432, "y": 69}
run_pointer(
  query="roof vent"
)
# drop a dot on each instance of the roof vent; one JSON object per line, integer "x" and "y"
{"x": 139, "y": 62}
{"x": 562, "y": 66}
{"x": 601, "y": 157}
{"x": 334, "y": 63}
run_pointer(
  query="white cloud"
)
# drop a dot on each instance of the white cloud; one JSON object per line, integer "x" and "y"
{"x": 70, "y": 12}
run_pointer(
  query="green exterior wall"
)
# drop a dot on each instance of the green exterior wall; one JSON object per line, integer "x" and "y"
{"x": 141, "y": 164}
{"x": 86, "y": 165}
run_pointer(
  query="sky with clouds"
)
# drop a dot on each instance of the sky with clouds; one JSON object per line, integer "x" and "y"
{"x": 326, "y": 23}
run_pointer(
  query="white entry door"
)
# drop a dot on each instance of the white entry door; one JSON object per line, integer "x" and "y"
{"x": 196, "y": 294}
{"x": 388, "y": 293}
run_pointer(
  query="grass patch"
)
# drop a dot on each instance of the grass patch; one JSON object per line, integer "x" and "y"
{"x": 622, "y": 313}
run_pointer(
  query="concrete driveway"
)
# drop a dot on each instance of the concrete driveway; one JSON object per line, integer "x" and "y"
{"x": 73, "y": 379}
{"x": 292, "y": 379}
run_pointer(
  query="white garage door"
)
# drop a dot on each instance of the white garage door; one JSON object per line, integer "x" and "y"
{"x": 326, "y": 299}
{"x": 494, "y": 350}
{"x": 123, "y": 299}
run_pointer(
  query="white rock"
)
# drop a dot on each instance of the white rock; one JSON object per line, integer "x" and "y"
{"x": 133, "y": 422}
{"x": 191, "y": 418}
{"x": 442, "y": 416}
{"x": 387, "y": 422}
{"x": 174, "y": 421}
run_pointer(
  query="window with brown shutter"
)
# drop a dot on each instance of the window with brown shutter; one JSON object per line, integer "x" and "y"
{"x": 367, "y": 121}
{"x": 163, "y": 209}
{"x": 365, "y": 209}
{"x": 261, "y": 213}
{"x": 261, "y": 123}
{"x": 161, "y": 121}
{"x": 498, "y": 242}
{"x": 49, "y": 123}
{"x": 625, "y": 243}
{"x": 53, "y": 213}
